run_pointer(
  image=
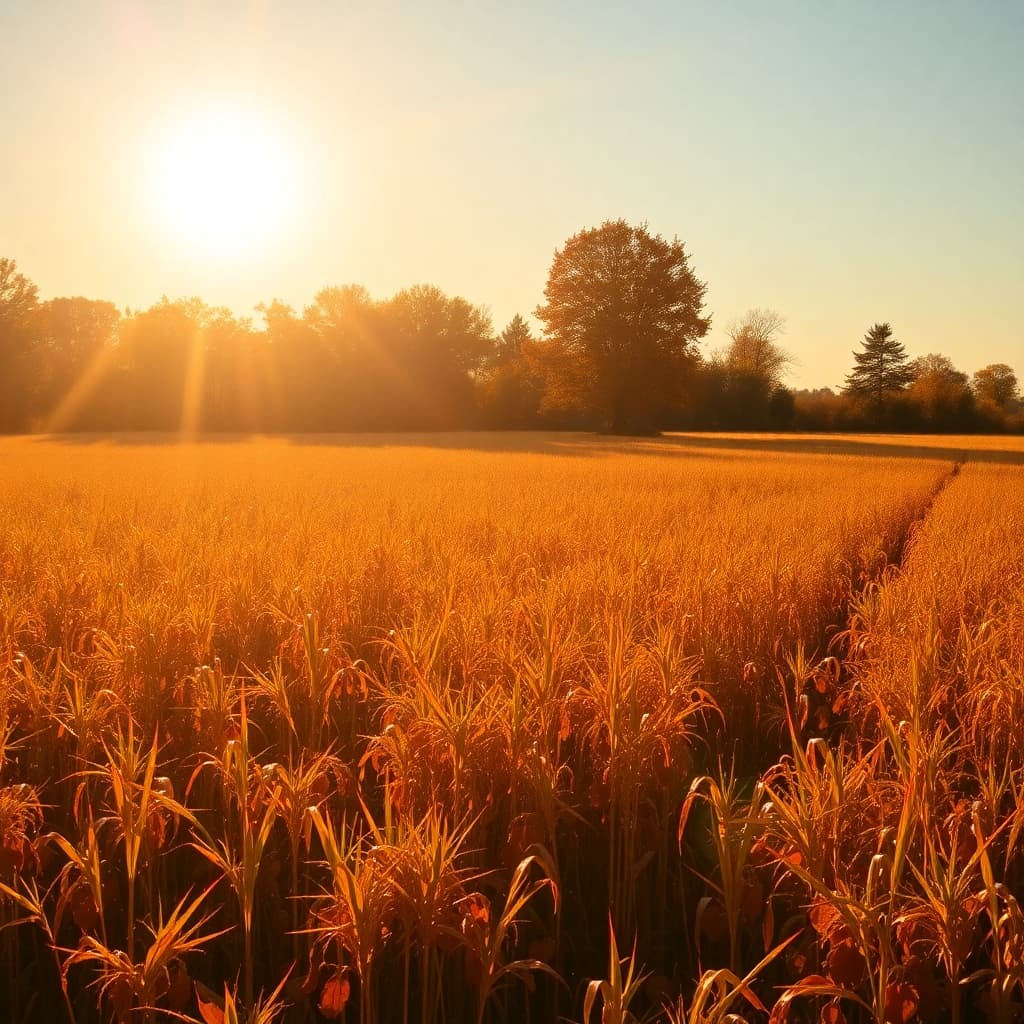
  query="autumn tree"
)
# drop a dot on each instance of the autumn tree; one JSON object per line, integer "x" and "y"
{"x": 940, "y": 393}
{"x": 352, "y": 362}
{"x": 74, "y": 336}
{"x": 511, "y": 385}
{"x": 621, "y": 315}
{"x": 435, "y": 344}
{"x": 996, "y": 384}
{"x": 18, "y": 371}
{"x": 881, "y": 368}
{"x": 512, "y": 341}
{"x": 290, "y": 348}
{"x": 340, "y": 365}
{"x": 750, "y": 372}
{"x": 234, "y": 373}
{"x": 754, "y": 347}
{"x": 163, "y": 351}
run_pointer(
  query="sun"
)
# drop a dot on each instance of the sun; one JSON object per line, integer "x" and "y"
{"x": 222, "y": 180}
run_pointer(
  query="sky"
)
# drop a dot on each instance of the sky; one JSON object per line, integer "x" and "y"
{"x": 843, "y": 163}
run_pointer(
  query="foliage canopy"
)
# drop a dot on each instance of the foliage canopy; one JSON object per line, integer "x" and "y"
{"x": 622, "y": 312}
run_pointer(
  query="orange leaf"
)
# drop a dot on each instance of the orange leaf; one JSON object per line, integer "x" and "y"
{"x": 824, "y": 917}
{"x": 210, "y": 1008}
{"x": 334, "y": 997}
{"x": 846, "y": 965}
{"x": 900, "y": 1002}
{"x": 564, "y": 728}
{"x": 831, "y": 1013}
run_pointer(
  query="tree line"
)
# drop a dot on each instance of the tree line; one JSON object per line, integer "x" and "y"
{"x": 623, "y": 315}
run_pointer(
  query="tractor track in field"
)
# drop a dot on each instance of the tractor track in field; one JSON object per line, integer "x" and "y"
{"x": 822, "y": 712}
{"x": 898, "y": 552}
{"x": 822, "y": 681}
{"x": 900, "y": 549}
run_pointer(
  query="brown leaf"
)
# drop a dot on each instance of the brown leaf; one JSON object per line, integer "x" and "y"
{"x": 564, "y": 727}
{"x": 914, "y": 934}
{"x": 780, "y": 1011}
{"x": 334, "y": 996}
{"x": 832, "y": 1013}
{"x": 121, "y": 998}
{"x": 752, "y": 898}
{"x": 211, "y": 1007}
{"x": 525, "y": 831}
{"x": 712, "y": 923}
{"x": 12, "y": 856}
{"x": 846, "y": 965}
{"x": 901, "y": 1002}
{"x": 83, "y": 907}
{"x": 179, "y": 991}
{"x": 824, "y": 917}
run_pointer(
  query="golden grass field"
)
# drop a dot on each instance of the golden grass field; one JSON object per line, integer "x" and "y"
{"x": 444, "y": 727}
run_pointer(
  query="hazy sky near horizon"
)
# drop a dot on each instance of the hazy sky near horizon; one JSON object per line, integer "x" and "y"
{"x": 842, "y": 163}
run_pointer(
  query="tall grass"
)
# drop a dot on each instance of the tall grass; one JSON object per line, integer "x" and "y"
{"x": 406, "y": 732}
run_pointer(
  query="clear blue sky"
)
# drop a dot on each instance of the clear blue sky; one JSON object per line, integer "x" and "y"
{"x": 840, "y": 162}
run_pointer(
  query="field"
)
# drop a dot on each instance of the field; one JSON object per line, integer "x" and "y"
{"x": 445, "y": 727}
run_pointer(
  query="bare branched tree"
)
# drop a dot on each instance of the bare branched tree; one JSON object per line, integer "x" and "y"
{"x": 754, "y": 348}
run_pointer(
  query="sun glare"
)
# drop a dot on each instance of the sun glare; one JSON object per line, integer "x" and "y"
{"x": 222, "y": 180}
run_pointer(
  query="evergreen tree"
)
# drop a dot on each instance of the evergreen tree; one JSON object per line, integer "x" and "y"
{"x": 881, "y": 368}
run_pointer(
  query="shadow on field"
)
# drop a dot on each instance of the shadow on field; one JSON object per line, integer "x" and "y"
{"x": 903, "y": 446}
{"x": 578, "y": 444}
{"x": 574, "y": 443}
{"x": 973, "y": 449}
